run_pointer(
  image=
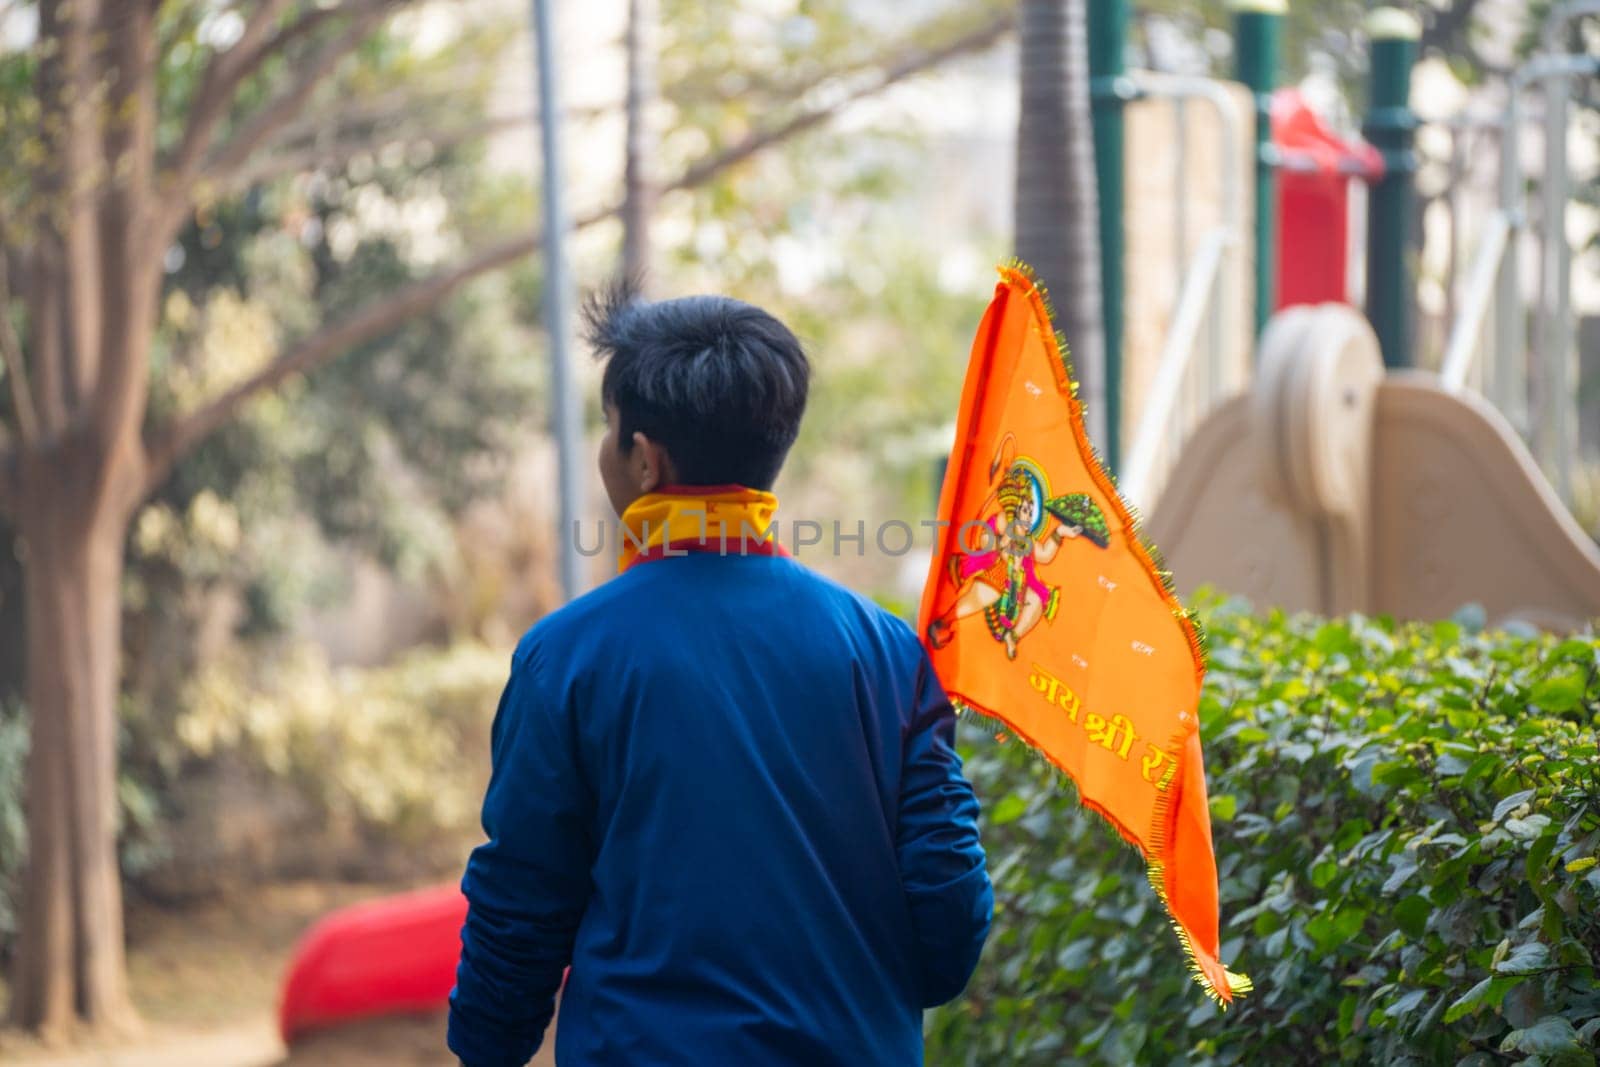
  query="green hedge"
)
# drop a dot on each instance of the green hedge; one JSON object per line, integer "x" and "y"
{"x": 1406, "y": 823}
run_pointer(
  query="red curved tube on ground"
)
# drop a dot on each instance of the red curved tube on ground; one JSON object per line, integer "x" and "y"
{"x": 384, "y": 957}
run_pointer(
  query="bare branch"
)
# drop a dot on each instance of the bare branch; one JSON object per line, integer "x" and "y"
{"x": 16, "y": 369}
{"x": 897, "y": 71}
{"x": 222, "y": 77}
{"x": 188, "y": 167}
{"x": 8, "y": 483}
{"x": 44, "y": 299}
{"x": 71, "y": 171}
{"x": 287, "y": 104}
{"x": 128, "y": 274}
{"x": 43, "y": 291}
{"x": 171, "y": 442}
{"x": 375, "y": 320}
{"x": 279, "y": 163}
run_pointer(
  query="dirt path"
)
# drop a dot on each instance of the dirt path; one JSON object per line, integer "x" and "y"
{"x": 205, "y": 980}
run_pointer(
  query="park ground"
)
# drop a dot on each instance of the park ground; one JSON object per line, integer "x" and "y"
{"x": 206, "y": 979}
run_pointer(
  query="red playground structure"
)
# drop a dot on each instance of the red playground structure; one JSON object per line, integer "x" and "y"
{"x": 384, "y": 957}
{"x": 1315, "y": 168}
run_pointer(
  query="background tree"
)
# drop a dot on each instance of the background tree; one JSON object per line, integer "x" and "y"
{"x": 117, "y": 160}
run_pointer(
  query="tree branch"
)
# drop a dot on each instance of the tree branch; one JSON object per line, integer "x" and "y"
{"x": 130, "y": 267}
{"x": 78, "y": 169}
{"x": 279, "y": 162}
{"x": 372, "y": 321}
{"x": 171, "y": 442}
{"x": 914, "y": 63}
{"x": 287, "y": 104}
{"x": 8, "y": 483}
{"x": 16, "y": 369}
{"x": 188, "y": 167}
{"x": 222, "y": 77}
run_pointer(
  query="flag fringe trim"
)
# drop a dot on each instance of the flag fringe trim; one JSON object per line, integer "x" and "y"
{"x": 1155, "y": 868}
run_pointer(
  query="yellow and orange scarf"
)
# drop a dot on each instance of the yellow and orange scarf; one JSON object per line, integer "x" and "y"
{"x": 678, "y": 519}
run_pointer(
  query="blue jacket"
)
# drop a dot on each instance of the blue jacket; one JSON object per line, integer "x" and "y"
{"x": 725, "y": 792}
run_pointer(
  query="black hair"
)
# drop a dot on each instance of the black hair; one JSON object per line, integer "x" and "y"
{"x": 719, "y": 383}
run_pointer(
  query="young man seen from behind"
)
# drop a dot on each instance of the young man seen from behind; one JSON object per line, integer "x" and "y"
{"x": 725, "y": 789}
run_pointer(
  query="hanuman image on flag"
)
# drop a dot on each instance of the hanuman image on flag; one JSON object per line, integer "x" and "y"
{"x": 999, "y": 575}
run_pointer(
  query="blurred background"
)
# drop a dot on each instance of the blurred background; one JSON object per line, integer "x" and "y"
{"x": 278, "y": 479}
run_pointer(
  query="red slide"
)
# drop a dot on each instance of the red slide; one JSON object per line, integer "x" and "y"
{"x": 383, "y": 957}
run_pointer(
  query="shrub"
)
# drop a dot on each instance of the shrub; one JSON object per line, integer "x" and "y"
{"x": 400, "y": 751}
{"x": 286, "y": 766}
{"x": 1406, "y": 823}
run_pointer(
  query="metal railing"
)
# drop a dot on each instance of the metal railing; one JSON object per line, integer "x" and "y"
{"x": 1554, "y": 429}
{"x": 1179, "y": 398}
{"x": 1160, "y": 431}
{"x": 1534, "y": 385}
{"x": 1462, "y": 351}
{"x": 1557, "y": 336}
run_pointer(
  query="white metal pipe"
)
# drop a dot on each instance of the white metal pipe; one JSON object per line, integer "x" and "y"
{"x": 1177, "y": 355}
{"x": 1466, "y": 332}
{"x": 1555, "y": 284}
{"x": 1215, "y": 93}
{"x": 559, "y": 298}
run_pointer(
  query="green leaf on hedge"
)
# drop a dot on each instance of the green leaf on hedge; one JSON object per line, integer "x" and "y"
{"x": 1561, "y": 693}
{"x": 1581, "y": 864}
{"x": 1512, "y": 802}
{"x": 1224, "y": 806}
{"x": 1480, "y": 766}
{"x": 1525, "y": 959}
{"x": 1408, "y": 1003}
{"x": 1404, "y": 869}
{"x": 1489, "y": 992}
{"x": 1010, "y": 808}
{"x": 1323, "y": 873}
{"x": 1411, "y": 915}
{"x": 1552, "y": 1034}
{"x": 1528, "y": 828}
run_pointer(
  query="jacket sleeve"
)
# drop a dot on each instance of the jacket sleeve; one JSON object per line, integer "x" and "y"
{"x": 941, "y": 859}
{"x": 527, "y": 886}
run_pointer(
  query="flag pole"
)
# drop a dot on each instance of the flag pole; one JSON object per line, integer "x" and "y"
{"x": 559, "y": 298}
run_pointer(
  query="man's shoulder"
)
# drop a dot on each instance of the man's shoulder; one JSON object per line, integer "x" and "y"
{"x": 858, "y": 612}
{"x": 575, "y": 621}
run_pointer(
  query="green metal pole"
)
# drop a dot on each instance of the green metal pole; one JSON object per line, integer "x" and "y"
{"x": 1391, "y": 127}
{"x": 1258, "y": 29}
{"x": 1109, "y": 90}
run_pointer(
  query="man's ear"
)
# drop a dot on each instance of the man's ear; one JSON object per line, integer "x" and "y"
{"x": 653, "y": 467}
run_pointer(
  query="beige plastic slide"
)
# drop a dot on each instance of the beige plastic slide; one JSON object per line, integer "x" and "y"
{"x": 1331, "y": 488}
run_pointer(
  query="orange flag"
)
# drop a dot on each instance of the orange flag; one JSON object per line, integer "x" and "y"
{"x": 1045, "y": 611}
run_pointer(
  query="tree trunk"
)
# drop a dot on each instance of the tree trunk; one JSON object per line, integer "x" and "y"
{"x": 1057, "y": 224}
{"x": 639, "y": 190}
{"x": 70, "y": 948}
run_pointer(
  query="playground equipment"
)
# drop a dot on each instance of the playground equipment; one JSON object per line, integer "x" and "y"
{"x": 1342, "y": 478}
{"x": 1318, "y": 170}
{"x": 384, "y": 957}
{"x": 1332, "y": 487}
